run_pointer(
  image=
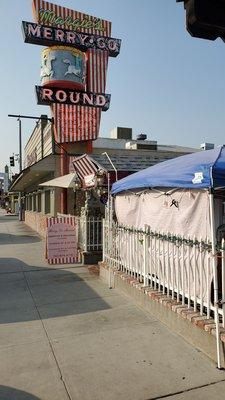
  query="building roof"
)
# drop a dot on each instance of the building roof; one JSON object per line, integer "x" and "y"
{"x": 132, "y": 162}
{"x": 128, "y": 159}
{"x": 119, "y": 144}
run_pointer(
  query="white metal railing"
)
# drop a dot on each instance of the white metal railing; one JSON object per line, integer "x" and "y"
{"x": 90, "y": 233}
{"x": 181, "y": 268}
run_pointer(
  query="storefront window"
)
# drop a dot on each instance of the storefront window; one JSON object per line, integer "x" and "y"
{"x": 34, "y": 203}
{"x": 30, "y": 203}
{"x": 39, "y": 202}
{"x": 47, "y": 202}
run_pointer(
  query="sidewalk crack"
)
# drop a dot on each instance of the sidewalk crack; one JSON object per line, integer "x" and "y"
{"x": 164, "y": 396}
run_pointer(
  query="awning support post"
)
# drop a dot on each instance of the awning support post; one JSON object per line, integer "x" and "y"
{"x": 215, "y": 276}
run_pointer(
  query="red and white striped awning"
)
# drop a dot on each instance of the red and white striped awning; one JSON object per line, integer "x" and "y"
{"x": 86, "y": 168}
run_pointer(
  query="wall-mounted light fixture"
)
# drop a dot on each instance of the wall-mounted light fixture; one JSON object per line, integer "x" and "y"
{"x": 100, "y": 177}
{"x": 76, "y": 184}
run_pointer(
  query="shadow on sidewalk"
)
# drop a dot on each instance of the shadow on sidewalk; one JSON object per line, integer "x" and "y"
{"x": 8, "y": 218}
{"x": 6, "y": 238}
{"x": 27, "y": 294}
{"x": 9, "y": 393}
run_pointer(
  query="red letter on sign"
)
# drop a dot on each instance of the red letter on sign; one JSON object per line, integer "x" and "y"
{"x": 70, "y": 37}
{"x": 88, "y": 99}
{"x": 101, "y": 43}
{"x": 47, "y": 34}
{"x": 61, "y": 96}
{"x": 46, "y": 94}
{"x": 112, "y": 45}
{"x": 59, "y": 35}
{"x": 74, "y": 97}
{"x": 100, "y": 100}
{"x": 34, "y": 31}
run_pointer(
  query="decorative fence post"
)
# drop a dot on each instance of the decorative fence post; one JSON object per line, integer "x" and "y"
{"x": 145, "y": 250}
{"x": 110, "y": 241}
{"x": 85, "y": 231}
{"x": 103, "y": 240}
{"x": 223, "y": 278}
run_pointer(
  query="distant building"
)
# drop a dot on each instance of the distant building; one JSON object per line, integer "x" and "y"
{"x": 1, "y": 188}
{"x": 2, "y": 180}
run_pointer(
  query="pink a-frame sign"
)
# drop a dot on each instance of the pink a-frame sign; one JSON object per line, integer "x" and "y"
{"x": 62, "y": 240}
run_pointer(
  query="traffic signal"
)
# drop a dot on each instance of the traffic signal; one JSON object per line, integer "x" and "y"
{"x": 12, "y": 161}
{"x": 205, "y": 18}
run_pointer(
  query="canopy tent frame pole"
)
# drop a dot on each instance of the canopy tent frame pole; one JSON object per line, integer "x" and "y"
{"x": 110, "y": 239}
{"x": 215, "y": 276}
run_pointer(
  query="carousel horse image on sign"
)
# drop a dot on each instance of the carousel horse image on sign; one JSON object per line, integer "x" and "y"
{"x": 71, "y": 68}
{"x": 63, "y": 66}
{"x": 46, "y": 67}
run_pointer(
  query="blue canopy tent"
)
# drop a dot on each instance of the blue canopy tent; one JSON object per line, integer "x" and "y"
{"x": 200, "y": 170}
{"x": 204, "y": 169}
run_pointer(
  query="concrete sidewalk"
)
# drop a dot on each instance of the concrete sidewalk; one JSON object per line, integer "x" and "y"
{"x": 65, "y": 336}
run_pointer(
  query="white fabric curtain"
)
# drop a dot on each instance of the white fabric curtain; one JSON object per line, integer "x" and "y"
{"x": 181, "y": 212}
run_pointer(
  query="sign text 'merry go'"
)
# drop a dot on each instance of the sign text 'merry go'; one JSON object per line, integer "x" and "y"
{"x": 45, "y": 36}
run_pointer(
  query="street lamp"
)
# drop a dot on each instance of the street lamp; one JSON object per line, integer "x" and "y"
{"x": 106, "y": 154}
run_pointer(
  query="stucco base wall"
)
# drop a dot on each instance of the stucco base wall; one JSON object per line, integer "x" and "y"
{"x": 36, "y": 221}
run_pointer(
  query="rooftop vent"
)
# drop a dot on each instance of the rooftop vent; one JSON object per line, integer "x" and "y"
{"x": 121, "y": 133}
{"x": 207, "y": 146}
{"x": 141, "y": 136}
{"x": 142, "y": 145}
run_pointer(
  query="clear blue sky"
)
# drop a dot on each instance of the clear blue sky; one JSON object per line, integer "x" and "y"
{"x": 164, "y": 82}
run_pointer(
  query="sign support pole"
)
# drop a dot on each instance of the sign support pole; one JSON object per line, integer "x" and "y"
{"x": 20, "y": 168}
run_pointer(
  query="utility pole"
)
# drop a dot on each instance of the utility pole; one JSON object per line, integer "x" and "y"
{"x": 20, "y": 145}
